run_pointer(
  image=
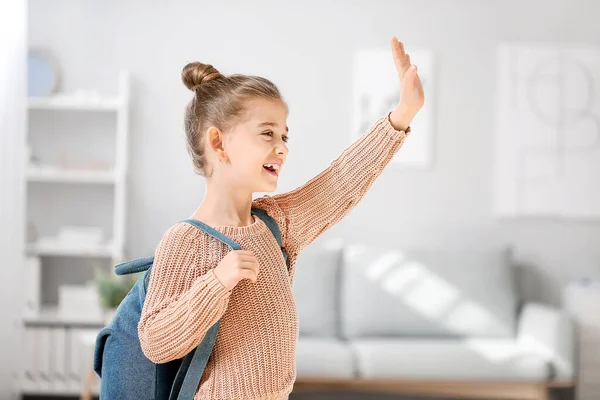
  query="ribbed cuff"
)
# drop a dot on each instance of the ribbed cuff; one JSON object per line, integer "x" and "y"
{"x": 214, "y": 285}
{"x": 388, "y": 122}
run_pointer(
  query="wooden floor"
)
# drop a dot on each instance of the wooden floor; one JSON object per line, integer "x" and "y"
{"x": 440, "y": 389}
{"x": 319, "y": 389}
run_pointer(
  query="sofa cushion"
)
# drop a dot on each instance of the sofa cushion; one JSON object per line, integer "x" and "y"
{"x": 316, "y": 288}
{"x": 440, "y": 293}
{"x": 448, "y": 359}
{"x": 324, "y": 358}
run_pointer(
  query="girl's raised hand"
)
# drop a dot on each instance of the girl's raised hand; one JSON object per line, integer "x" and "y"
{"x": 412, "y": 97}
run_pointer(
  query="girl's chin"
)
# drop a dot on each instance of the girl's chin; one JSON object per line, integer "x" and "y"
{"x": 271, "y": 180}
{"x": 268, "y": 187}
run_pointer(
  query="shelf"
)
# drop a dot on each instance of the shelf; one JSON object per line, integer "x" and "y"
{"x": 49, "y": 248}
{"x": 56, "y": 393}
{"x": 51, "y": 316}
{"x": 76, "y": 103}
{"x": 55, "y": 174}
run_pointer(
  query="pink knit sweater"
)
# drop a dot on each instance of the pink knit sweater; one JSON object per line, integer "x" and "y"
{"x": 255, "y": 350}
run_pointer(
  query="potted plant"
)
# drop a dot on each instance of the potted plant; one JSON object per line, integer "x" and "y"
{"x": 112, "y": 289}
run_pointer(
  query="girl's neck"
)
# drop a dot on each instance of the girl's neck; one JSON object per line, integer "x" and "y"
{"x": 224, "y": 206}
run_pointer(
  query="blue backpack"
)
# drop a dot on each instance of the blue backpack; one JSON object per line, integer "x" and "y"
{"x": 119, "y": 361}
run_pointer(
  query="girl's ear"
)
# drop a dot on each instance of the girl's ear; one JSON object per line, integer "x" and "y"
{"x": 215, "y": 141}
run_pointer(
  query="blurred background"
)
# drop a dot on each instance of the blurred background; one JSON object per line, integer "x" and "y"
{"x": 471, "y": 267}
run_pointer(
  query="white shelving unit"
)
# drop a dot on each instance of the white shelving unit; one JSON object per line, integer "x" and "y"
{"x": 46, "y": 326}
{"x": 115, "y": 176}
{"x": 582, "y": 300}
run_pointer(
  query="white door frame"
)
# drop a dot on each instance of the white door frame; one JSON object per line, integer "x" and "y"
{"x": 13, "y": 117}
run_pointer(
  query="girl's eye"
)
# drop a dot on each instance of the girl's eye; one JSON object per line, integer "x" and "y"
{"x": 270, "y": 134}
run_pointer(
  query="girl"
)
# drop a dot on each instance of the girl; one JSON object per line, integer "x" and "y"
{"x": 237, "y": 138}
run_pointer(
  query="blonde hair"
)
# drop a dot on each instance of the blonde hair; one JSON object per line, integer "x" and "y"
{"x": 218, "y": 101}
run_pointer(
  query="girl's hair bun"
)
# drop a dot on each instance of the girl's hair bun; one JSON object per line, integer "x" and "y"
{"x": 195, "y": 74}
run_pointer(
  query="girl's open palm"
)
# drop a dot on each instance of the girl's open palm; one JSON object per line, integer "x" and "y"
{"x": 412, "y": 97}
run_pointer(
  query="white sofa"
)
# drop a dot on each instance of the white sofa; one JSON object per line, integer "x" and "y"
{"x": 443, "y": 322}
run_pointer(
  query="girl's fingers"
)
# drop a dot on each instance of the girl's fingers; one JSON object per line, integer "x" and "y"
{"x": 243, "y": 252}
{"x": 411, "y": 75}
{"x": 249, "y": 274}
{"x": 246, "y": 257}
{"x": 400, "y": 47}
{"x": 248, "y": 264}
{"x": 400, "y": 57}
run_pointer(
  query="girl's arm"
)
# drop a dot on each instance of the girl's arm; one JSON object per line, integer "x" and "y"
{"x": 305, "y": 213}
{"x": 310, "y": 210}
{"x": 184, "y": 298}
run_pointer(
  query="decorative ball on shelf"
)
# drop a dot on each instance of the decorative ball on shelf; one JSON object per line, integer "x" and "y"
{"x": 42, "y": 74}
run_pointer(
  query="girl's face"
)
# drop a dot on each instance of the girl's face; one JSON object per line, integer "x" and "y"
{"x": 256, "y": 148}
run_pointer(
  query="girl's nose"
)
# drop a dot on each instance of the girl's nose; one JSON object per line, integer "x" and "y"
{"x": 281, "y": 149}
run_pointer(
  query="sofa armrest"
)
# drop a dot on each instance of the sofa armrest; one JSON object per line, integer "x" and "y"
{"x": 548, "y": 332}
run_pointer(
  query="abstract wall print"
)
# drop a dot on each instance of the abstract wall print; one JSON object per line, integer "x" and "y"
{"x": 376, "y": 92}
{"x": 547, "y": 160}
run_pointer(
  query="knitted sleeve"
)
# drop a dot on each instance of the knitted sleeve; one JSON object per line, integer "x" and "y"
{"x": 184, "y": 297}
{"x": 308, "y": 211}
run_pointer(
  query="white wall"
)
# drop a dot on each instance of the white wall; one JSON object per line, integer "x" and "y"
{"x": 306, "y": 48}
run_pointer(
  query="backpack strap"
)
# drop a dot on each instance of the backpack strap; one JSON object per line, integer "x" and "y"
{"x": 270, "y": 222}
{"x": 192, "y": 367}
{"x": 134, "y": 266}
{"x": 273, "y": 227}
{"x": 260, "y": 213}
{"x": 214, "y": 233}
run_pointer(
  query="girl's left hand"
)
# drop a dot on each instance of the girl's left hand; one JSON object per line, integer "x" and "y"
{"x": 412, "y": 97}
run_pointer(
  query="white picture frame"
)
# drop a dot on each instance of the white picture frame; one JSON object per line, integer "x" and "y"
{"x": 547, "y": 139}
